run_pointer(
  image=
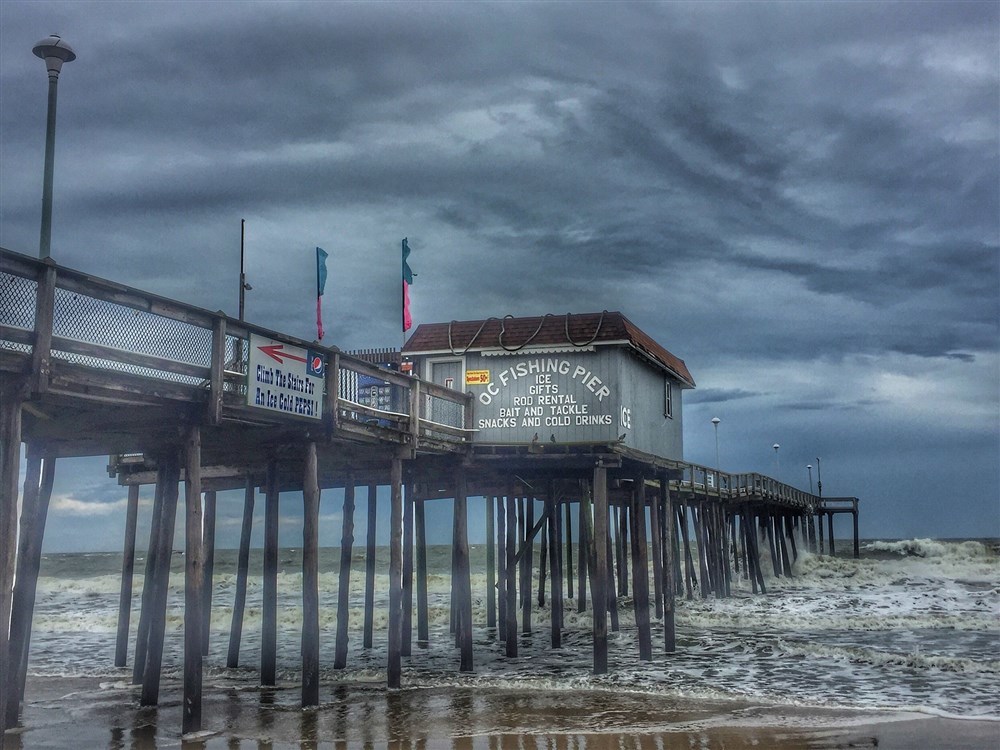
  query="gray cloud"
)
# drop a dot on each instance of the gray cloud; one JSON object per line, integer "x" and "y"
{"x": 777, "y": 193}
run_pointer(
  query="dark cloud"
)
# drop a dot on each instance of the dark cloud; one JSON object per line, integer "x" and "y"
{"x": 801, "y": 201}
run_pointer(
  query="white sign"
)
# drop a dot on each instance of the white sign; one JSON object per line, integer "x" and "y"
{"x": 285, "y": 378}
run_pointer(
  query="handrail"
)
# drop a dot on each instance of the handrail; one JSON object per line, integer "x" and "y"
{"x": 168, "y": 340}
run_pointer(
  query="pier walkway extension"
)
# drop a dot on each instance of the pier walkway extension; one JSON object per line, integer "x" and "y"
{"x": 175, "y": 393}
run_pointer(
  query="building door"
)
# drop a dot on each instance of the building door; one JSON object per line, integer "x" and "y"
{"x": 448, "y": 373}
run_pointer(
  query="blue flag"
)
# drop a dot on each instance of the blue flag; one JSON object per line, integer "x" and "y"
{"x": 321, "y": 256}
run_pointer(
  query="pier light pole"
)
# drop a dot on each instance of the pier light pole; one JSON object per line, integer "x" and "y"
{"x": 55, "y": 52}
{"x": 777, "y": 463}
{"x": 810, "y": 468}
{"x": 819, "y": 478}
{"x": 715, "y": 423}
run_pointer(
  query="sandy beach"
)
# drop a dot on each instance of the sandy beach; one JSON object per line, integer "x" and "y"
{"x": 85, "y": 713}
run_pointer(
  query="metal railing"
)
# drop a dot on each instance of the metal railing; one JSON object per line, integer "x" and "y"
{"x": 56, "y": 316}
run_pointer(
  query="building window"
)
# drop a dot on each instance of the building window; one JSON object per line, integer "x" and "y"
{"x": 668, "y": 399}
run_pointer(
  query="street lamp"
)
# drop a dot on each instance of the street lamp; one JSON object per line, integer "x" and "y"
{"x": 819, "y": 477}
{"x": 715, "y": 423}
{"x": 55, "y": 52}
{"x": 777, "y": 463}
{"x": 810, "y": 468}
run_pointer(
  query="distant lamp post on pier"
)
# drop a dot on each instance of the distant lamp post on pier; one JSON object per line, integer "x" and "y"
{"x": 819, "y": 478}
{"x": 810, "y": 468}
{"x": 55, "y": 52}
{"x": 777, "y": 463}
{"x": 715, "y": 423}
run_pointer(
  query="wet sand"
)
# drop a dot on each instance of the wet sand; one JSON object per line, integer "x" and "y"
{"x": 85, "y": 713}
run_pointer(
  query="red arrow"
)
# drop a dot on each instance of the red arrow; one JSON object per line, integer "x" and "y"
{"x": 274, "y": 352}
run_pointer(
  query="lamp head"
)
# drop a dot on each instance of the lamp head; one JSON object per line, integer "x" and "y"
{"x": 716, "y": 420}
{"x": 55, "y": 52}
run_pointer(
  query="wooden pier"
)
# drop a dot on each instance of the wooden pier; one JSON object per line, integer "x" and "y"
{"x": 174, "y": 394}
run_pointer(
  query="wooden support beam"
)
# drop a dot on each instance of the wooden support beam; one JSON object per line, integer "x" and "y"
{"x": 464, "y": 588}
{"x": 11, "y": 396}
{"x": 612, "y": 603}
{"x": 242, "y": 570}
{"x": 857, "y": 541}
{"x": 689, "y": 575}
{"x": 697, "y": 514}
{"x": 670, "y": 564}
{"x": 583, "y": 548}
{"x": 527, "y": 560}
{"x": 821, "y": 546}
{"x": 833, "y": 549}
{"x": 491, "y": 563}
{"x": 543, "y": 558}
{"x": 269, "y": 585}
{"x": 369, "y": 624}
{"x": 194, "y": 579}
{"x": 310, "y": 576}
{"x": 169, "y": 475}
{"x": 569, "y": 550}
{"x": 556, "y": 603}
{"x": 501, "y": 569}
{"x": 395, "y": 663}
{"x": 407, "y": 631}
{"x": 622, "y": 547}
{"x": 420, "y": 532}
{"x": 128, "y": 569}
{"x": 344, "y": 584}
{"x": 148, "y": 585}
{"x": 657, "y": 543}
{"x": 511, "y": 576}
{"x": 599, "y": 577}
{"x": 208, "y": 547}
{"x": 640, "y": 569}
{"x": 752, "y": 536}
{"x": 34, "y": 510}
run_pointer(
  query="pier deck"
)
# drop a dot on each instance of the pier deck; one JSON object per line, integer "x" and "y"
{"x": 91, "y": 367}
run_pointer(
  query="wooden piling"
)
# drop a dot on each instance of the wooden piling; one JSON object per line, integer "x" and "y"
{"x": 491, "y": 563}
{"x": 857, "y": 540}
{"x": 369, "y": 625}
{"x": 464, "y": 598}
{"x": 688, "y": 561}
{"x": 194, "y": 579}
{"x": 781, "y": 531}
{"x": 752, "y": 536}
{"x": 582, "y": 561}
{"x": 657, "y": 543}
{"x": 128, "y": 570}
{"x": 569, "y": 550}
{"x": 269, "y": 605}
{"x": 600, "y": 576}
{"x": 622, "y": 548}
{"x": 555, "y": 605}
{"x": 148, "y": 585}
{"x": 208, "y": 552}
{"x": 310, "y": 576}
{"x": 511, "y": 575}
{"x": 168, "y": 475}
{"x": 11, "y": 395}
{"x": 501, "y": 569}
{"x": 406, "y": 636}
{"x": 543, "y": 560}
{"x": 242, "y": 570}
{"x": 420, "y": 532}
{"x": 394, "y": 666}
{"x": 829, "y": 520}
{"x": 821, "y": 545}
{"x": 670, "y": 564}
{"x": 527, "y": 560}
{"x": 34, "y": 510}
{"x": 697, "y": 512}
{"x": 640, "y": 569}
{"x": 344, "y": 579}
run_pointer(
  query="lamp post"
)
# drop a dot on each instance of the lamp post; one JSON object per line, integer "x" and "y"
{"x": 715, "y": 423}
{"x": 810, "y": 468}
{"x": 819, "y": 477}
{"x": 55, "y": 52}
{"x": 777, "y": 463}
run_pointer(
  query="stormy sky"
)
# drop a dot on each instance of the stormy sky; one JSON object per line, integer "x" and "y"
{"x": 801, "y": 200}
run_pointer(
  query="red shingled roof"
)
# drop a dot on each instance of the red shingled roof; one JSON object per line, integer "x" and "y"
{"x": 549, "y": 330}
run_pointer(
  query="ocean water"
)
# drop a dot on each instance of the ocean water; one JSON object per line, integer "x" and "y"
{"x": 912, "y": 626}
